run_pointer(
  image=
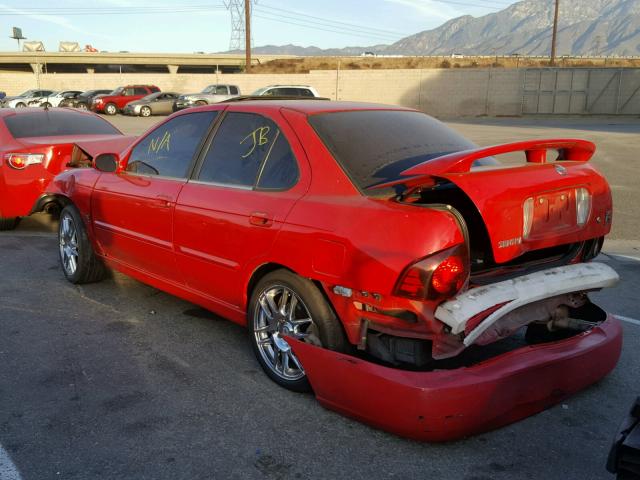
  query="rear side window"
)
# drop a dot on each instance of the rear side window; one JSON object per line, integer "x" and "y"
{"x": 168, "y": 150}
{"x": 140, "y": 91}
{"x": 154, "y": 89}
{"x": 233, "y": 89}
{"x": 249, "y": 150}
{"x": 305, "y": 92}
{"x": 55, "y": 123}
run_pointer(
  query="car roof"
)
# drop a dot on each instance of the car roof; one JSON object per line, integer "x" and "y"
{"x": 309, "y": 107}
{"x": 9, "y": 112}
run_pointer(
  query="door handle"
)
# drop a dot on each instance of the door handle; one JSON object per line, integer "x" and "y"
{"x": 260, "y": 219}
{"x": 164, "y": 201}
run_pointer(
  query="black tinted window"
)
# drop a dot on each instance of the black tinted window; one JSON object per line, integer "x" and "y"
{"x": 233, "y": 90}
{"x": 375, "y": 146}
{"x": 169, "y": 149}
{"x": 241, "y": 146}
{"x": 280, "y": 170}
{"x": 54, "y": 123}
{"x": 140, "y": 91}
{"x": 305, "y": 92}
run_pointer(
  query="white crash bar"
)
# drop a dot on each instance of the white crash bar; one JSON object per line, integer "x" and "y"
{"x": 521, "y": 291}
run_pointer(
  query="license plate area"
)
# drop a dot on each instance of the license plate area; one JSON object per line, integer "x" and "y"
{"x": 554, "y": 213}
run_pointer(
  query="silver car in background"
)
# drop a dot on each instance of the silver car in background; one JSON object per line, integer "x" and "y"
{"x": 159, "y": 103}
{"x": 211, "y": 94}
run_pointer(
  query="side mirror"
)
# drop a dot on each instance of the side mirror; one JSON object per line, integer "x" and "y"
{"x": 106, "y": 162}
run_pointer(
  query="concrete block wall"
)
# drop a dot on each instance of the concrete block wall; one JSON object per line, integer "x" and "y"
{"x": 446, "y": 93}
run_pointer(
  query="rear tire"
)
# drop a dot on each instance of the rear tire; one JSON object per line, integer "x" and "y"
{"x": 283, "y": 303}
{"x": 79, "y": 262}
{"x": 145, "y": 112}
{"x": 82, "y": 106}
{"x": 110, "y": 109}
{"x": 46, "y": 105}
{"x": 9, "y": 223}
{"x": 21, "y": 105}
{"x": 200, "y": 103}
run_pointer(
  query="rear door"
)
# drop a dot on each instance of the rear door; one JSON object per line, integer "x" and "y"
{"x": 133, "y": 209}
{"x": 228, "y": 216}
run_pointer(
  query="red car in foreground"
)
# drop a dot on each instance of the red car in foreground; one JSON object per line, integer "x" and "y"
{"x": 36, "y": 145}
{"x": 376, "y": 256}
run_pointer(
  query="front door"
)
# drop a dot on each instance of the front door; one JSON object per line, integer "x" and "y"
{"x": 133, "y": 209}
{"x": 228, "y": 216}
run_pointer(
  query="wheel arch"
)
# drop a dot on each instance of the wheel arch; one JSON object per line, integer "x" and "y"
{"x": 51, "y": 200}
{"x": 258, "y": 274}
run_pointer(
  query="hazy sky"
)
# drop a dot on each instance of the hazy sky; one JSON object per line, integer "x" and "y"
{"x": 205, "y": 25}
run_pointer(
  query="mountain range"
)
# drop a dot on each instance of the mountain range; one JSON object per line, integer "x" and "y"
{"x": 585, "y": 27}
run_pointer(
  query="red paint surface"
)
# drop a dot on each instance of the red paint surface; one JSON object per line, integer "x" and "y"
{"x": 450, "y": 404}
{"x": 21, "y": 189}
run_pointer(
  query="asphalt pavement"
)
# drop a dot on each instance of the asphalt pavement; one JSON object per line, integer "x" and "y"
{"x": 117, "y": 380}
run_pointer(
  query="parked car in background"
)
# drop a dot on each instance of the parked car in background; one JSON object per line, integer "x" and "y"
{"x": 55, "y": 99}
{"x": 351, "y": 238}
{"x": 286, "y": 91}
{"x": 22, "y": 100}
{"x": 211, "y": 94}
{"x": 115, "y": 101}
{"x": 35, "y": 145}
{"x": 83, "y": 101}
{"x": 159, "y": 103}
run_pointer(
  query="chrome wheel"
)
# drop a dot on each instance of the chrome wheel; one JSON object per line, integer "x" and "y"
{"x": 68, "y": 236}
{"x": 279, "y": 312}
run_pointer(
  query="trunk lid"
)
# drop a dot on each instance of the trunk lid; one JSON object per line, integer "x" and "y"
{"x": 550, "y": 189}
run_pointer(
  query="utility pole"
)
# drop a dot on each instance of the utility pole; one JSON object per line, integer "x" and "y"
{"x": 247, "y": 34}
{"x": 555, "y": 34}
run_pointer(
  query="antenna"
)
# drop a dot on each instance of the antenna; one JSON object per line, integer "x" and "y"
{"x": 17, "y": 35}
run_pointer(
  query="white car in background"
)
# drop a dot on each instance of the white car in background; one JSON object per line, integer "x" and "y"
{"x": 286, "y": 91}
{"x": 54, "y": 99}
{"x": 22, "y": 100}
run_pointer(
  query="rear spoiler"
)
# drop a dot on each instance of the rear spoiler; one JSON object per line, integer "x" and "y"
{"x": 461, "y": 162}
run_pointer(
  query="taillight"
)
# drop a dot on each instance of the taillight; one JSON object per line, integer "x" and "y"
{"x": 20, "y": 161}
{"x": 440, "y": 275}
{"x": 583, "y": 206}
{"x": 527, "y": 217}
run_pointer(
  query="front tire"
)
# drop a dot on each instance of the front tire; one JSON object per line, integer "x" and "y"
{"x": 21, "y": 105}
{"x": 82, "y": 106}
{"x": 8, "y": 223}
{"x": 145, "y": 112}
{"x": 77, "y": 258}
{"x": 46, "y": 105}
{"x": 201, "y": 103}
{"x": 283, "y": 303}
{"x": 110, "y": 109}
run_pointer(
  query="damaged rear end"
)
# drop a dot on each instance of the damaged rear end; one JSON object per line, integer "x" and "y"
{"x": 509, "y": 328}
{"x": 530, "y": 230}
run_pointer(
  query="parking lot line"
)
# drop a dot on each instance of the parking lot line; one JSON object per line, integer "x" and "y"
{"x": 627, "y": 319}
{"x": 8, "y": 470}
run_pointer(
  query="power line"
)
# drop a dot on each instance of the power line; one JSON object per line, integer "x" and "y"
{"x": 341, "y": 32}
{"x": 327, "y": 25}
{"x": 337, "y": 22}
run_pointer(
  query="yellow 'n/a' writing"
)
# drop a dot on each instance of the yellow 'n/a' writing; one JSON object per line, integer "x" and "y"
{"x": 259, "y": 138}
{"x": 159, "y": 143}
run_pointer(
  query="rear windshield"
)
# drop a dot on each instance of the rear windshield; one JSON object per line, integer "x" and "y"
{"x": 55, "y": 123}
{"x": 375, "y": 146}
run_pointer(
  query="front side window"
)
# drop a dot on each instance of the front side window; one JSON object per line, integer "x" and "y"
{"x": 250, "y": 150}
{"x": 168, "y": 150}
{"x": 140, "y": 91}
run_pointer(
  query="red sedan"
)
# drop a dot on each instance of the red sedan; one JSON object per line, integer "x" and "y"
{"x": 375, "y": 255}
{"x": 36, "y": 145}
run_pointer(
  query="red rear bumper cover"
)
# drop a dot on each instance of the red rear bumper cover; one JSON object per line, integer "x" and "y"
{"x": 449, "y": 404}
